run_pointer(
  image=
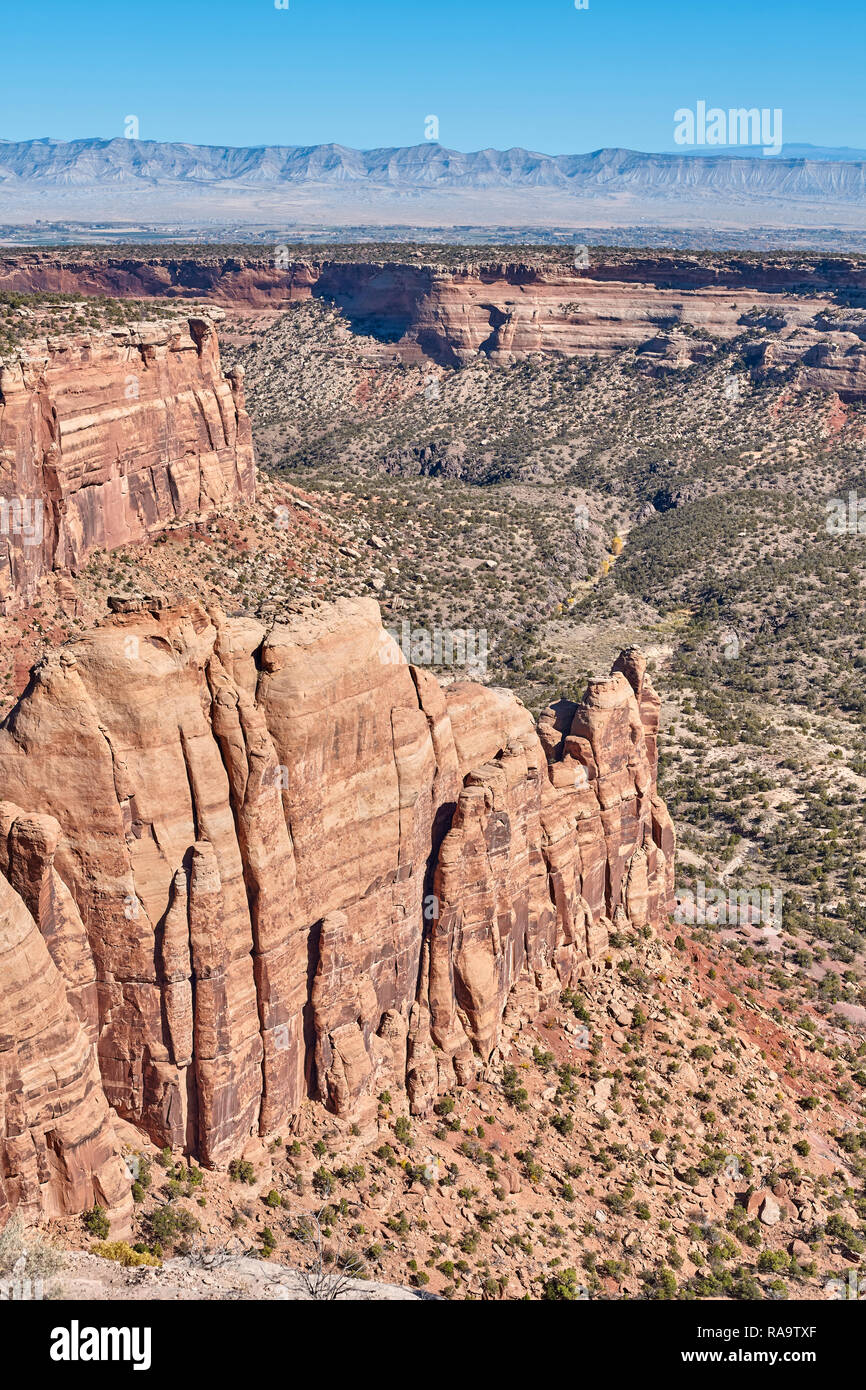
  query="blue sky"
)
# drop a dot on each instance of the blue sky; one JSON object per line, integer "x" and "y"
{"x": 368, "y": 72}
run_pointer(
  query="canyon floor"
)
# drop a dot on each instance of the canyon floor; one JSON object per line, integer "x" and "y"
{"x": 690, "y": 1124}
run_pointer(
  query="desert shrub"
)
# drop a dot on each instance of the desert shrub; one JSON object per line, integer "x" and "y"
{"x": 403, "y": 1130}
{"x": 563, "y": 1287}
{"x": 123, "y": 1253}
{"x": 170, "y": 1222}
{"x": 660, "y": 1284}
{"x": 240, "y": 1170}
{"x": 323, "y": 1182}
{"x": 772, "y": 1261}
{"x": 269, "y": 1241}
{"x": 18, "y": 1241}
{"x": 514, "y": 1093}
{"x": 96, "y": 1222}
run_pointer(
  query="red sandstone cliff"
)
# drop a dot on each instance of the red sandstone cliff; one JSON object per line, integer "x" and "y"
{"x": 507, "y": 310}
{"x": 104, "y": 439}
{"x": 58, "y": 1151}
{"x": 266, "y": 866}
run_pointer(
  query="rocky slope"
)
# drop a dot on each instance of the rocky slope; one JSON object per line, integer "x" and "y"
{"x": 106, "y": 438}
{"x": 674, "y": 309}
{"x": 661, "y": 1131}
{"x": 273, "y": 864}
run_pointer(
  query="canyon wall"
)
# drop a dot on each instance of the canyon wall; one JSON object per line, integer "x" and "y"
{"x": 803, "y": 312}
{"x": 58, "y": 1149}
{"x": 244, "y": 868}
{"x": 107, "y": 438}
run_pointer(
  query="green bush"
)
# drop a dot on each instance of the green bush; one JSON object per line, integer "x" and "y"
{"x": 96, "y": 1222}
{"x": 403, "y": 1130}
{"x": 170, "y": 1222}
{"x": 514, "y": 1093}
{"x": 240, "y": 1170}
{"x": 563, "y": 1287}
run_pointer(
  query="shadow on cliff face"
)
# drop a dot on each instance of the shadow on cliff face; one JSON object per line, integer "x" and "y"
{"x": 498, "y": 320}
{"x": 378, "y": 301}
{"x": 311, "y": 1077}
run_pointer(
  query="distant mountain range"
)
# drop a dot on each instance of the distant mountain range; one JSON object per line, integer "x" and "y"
{"x": 100, "y": 178}
{"x": 85, "y": 162}
{"x": 839, "y": 154}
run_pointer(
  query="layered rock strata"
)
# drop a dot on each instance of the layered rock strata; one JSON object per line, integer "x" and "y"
{"x": 245, "y": 868}
{"x": 108, "y": 438}
{"x": 805, "y": 312}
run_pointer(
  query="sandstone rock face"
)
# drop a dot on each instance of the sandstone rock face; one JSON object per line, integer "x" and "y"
{"x": 58, "y": 1153}
{"x": 273, "y": 866}
{"x": 104, "y": 440}
{"x": 510, "y": 309}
